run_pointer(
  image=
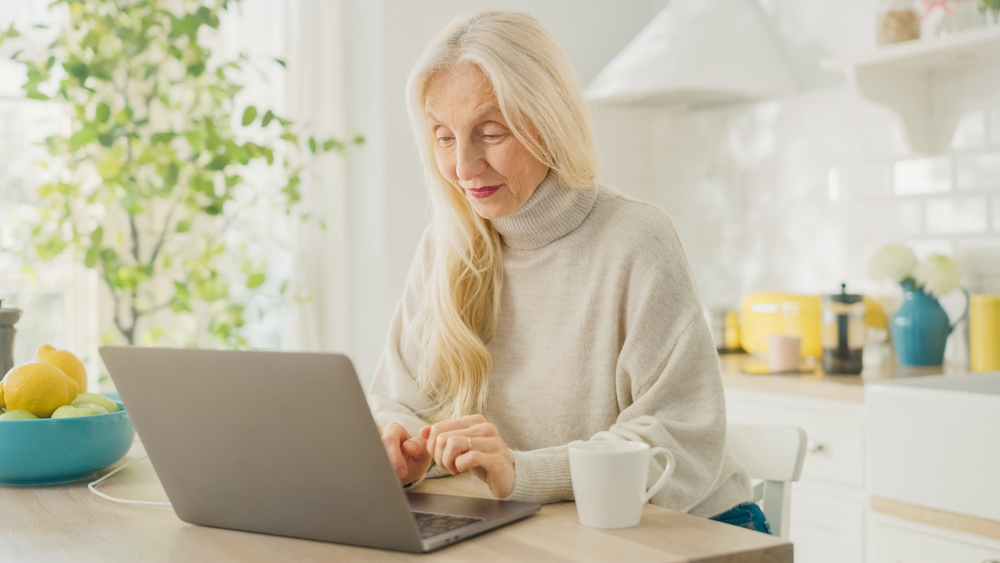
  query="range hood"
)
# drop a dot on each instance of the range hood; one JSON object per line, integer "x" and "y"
{"x": 697, "y": 53}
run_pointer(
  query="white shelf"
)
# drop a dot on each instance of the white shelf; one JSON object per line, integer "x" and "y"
{"x": 899, "y": 76}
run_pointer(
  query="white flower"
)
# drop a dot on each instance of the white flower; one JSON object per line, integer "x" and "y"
{"x": 894, "y": 262}
{"x": 938, "y": 275}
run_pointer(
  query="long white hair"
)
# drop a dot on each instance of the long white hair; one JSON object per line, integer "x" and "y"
{"x": 540, "y": 98}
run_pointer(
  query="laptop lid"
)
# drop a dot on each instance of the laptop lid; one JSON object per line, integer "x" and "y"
{"x": 273, "y": 442}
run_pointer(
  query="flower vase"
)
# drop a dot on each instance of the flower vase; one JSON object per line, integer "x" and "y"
{"x": 920, "y": 327}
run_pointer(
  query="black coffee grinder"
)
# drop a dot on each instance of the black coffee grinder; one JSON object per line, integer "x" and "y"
{"x": 842, "y": 331}
{"x": 8, "y": 317}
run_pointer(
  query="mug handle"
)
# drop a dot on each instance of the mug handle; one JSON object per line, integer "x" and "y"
{"x": 667, "y": 472}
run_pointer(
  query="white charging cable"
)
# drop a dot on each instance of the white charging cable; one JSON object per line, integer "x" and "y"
{"x": 93, "y": 488}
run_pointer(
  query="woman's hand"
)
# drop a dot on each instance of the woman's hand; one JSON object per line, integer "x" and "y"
{"x": 472, "y": 443}
{"x": 408, "y": 455}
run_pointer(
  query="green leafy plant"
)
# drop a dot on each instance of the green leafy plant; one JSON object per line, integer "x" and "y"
{"x": 152, "y": 173}
{"x": 990, "y": 6}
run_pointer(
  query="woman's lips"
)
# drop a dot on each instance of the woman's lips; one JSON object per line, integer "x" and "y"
{"x": 480, "y": 193}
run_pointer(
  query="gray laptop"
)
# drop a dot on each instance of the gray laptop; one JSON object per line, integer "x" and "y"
{"x": 282, "y": 443}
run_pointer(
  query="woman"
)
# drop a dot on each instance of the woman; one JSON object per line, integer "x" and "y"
{"x": 541, "y": 307}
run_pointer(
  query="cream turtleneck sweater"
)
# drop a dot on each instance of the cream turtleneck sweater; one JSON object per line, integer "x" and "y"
{"x": 600, "y": 337}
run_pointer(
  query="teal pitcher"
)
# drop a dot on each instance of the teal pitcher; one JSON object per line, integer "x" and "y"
{"x": 920, "y": 327}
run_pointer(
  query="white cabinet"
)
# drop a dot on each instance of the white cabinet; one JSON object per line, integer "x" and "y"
{"x": 830, "y": 517}
{"x": 897, "y": 540}
{"x": 829, "y": 504}
{"x": 826, "y": 529}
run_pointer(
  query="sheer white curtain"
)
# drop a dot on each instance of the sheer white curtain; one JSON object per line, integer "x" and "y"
{"x": 318, "y": 317}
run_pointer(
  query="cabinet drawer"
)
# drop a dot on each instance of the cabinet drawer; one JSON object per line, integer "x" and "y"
{"x": 894, "y": 542}
{"x": 836, "y": 438}
{"x": 825, "y": 529}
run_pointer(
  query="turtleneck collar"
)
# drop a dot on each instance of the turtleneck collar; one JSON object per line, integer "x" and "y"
{"x": 552, "y": 212}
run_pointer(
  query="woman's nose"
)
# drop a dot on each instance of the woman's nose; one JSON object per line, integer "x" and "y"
{"x": 469, "y": 161}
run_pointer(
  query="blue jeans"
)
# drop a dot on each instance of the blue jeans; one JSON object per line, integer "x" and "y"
{"x": 747, "y": 515}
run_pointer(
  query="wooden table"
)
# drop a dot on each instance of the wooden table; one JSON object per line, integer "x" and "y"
{"x": 69, "y": 523}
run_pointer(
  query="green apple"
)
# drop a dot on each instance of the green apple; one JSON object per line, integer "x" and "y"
{"x": 78, "y": 410}
{"x": 95, "y": 399}
{"x": 17, "y": 415}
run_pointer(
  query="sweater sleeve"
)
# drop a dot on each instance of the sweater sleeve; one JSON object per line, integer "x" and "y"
{"x": 395, "y": 395}
{"x": 668, "y": 384}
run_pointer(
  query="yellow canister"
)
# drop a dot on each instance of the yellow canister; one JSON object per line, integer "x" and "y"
{"x": 984, "y": 332}
{"x": 732, "y": 330}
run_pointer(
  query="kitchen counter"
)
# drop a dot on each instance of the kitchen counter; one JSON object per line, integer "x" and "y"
{"x": 818, "y": 383}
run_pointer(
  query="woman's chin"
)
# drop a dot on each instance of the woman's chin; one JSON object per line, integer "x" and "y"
{"x": 490, "y": 210}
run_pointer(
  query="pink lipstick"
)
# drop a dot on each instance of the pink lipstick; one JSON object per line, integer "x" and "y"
{"x": 480, "y": 193}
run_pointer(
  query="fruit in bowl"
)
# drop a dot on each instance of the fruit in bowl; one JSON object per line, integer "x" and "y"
{"x": 52, "y": 450}
{"x": 50, "y": 432}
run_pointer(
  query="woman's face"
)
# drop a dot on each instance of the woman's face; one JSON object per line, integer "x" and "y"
{"x": 475, "y": 149}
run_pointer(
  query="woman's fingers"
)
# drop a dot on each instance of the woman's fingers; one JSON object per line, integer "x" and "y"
{"x": 393, "y": 437}
{"x": 472, "y": 443}
{"x": 440, "y": 428}
{"x": 495, "y": 468}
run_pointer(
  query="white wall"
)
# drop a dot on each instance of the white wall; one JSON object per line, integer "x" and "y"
{"x": 794, "y": 194}
{"x": 389, "y": 209}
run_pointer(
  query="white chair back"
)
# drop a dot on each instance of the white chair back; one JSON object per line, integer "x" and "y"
{"x": 773, "y": 454}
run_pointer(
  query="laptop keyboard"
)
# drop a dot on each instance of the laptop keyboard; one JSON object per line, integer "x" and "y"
{"x": 431, "y": 524}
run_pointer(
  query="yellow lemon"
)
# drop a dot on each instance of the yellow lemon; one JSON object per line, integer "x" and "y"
{"x": 3, "y": 405}
{"x": 38, "y": 388}
{"x": 65, "y": 361}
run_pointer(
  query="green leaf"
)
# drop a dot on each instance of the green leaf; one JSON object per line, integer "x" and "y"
{"x": 37, "y": 96}
{"x": 267, "y": 118}
{"x": 103, "y": 113}
{"x": 183, "y": 226}
{"x": 312, "y": 144}
{"x": 91, "y": 258}
{"x": 249, "y": 115}
{"x": 280, "y": 62}
{"x": 290, "y": 137}
{"x": 50, "y": 248}
{"x": 255, "y": 280}
{"x": 80, "y": 138}
{"x": 219, "y": 162}
{"x": 359, "y": 139}
{"x": 45, "y": 190}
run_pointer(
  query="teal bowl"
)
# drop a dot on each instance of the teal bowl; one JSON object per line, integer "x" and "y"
{"x": 46, "y": 450}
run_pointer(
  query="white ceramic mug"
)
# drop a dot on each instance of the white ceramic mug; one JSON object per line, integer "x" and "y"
{"x": 609, "y": 481}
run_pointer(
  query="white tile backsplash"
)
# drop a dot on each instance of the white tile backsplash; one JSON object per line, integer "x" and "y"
{"x": 995, "y": 127}
{"x": 795, "y": 194}
{"x": 979, "y": 262}
{"x": 951, "y": 216}
{"x": 887, "y": 219}
{"x": 978, "y": 171}
{"x": 861, "y": 181}
{"x": 922, "y": 175}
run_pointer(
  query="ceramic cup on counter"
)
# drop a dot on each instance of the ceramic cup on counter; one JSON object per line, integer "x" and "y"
{"x": 784, "y": 353}
{"x": 609, "y": 481}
